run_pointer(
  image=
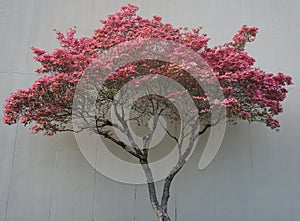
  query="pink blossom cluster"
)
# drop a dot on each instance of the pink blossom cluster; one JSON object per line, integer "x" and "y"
{"x": 47, "y": 103}
{"x": 250, "y": 93}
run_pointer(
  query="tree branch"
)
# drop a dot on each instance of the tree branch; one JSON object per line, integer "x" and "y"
{"x": 118, "y": 142}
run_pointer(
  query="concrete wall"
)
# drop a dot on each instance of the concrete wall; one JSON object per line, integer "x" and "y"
{"x": 255, "y": 176}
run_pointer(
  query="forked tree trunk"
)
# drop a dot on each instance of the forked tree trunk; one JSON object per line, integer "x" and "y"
{"x": 162, "y": 215}
{"x": 160, "y": 209}
{"x": 165, "y": 217}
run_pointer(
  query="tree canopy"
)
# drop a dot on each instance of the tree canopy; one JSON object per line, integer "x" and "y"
{"x": 250, "y": 93}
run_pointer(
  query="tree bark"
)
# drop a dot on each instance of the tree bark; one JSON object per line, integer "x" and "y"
{"x": 151, "y": 189}
{"x": 165, "y": 217}
{"x": 160, "y": 209}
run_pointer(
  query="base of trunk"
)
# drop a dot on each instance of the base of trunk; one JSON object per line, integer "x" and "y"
{"x": 165, "y": 217}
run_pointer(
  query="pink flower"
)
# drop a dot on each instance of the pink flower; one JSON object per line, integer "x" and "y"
{"x": 250, "y": 93}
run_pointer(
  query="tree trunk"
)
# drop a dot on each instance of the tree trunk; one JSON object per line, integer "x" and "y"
{"x": 160, "y": 211}
{"x": 164, "y": 217}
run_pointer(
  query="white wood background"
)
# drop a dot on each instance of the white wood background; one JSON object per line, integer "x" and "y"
{"x": 255, "y": 176}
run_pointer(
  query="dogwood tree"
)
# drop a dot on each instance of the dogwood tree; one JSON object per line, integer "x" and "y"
{"x": 249, "y": 93}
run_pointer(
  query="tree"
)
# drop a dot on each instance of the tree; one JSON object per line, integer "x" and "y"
{"x": 248, "y": 93}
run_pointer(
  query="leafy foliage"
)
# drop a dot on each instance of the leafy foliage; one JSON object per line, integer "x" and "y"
{"x": 250, "y": 93}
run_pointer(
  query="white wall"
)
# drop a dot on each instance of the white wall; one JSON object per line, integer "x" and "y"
{"x": 255, "y": 176}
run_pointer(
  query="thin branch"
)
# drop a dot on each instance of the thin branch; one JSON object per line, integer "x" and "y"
{"x": 127, "y": 132}
{"x": 204, "y": 129}
{"x": 118, "y": 142}
{"x": 208, "y": 126}
{"x": 168, "y": 132}
{"x": 181, "y": 162}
